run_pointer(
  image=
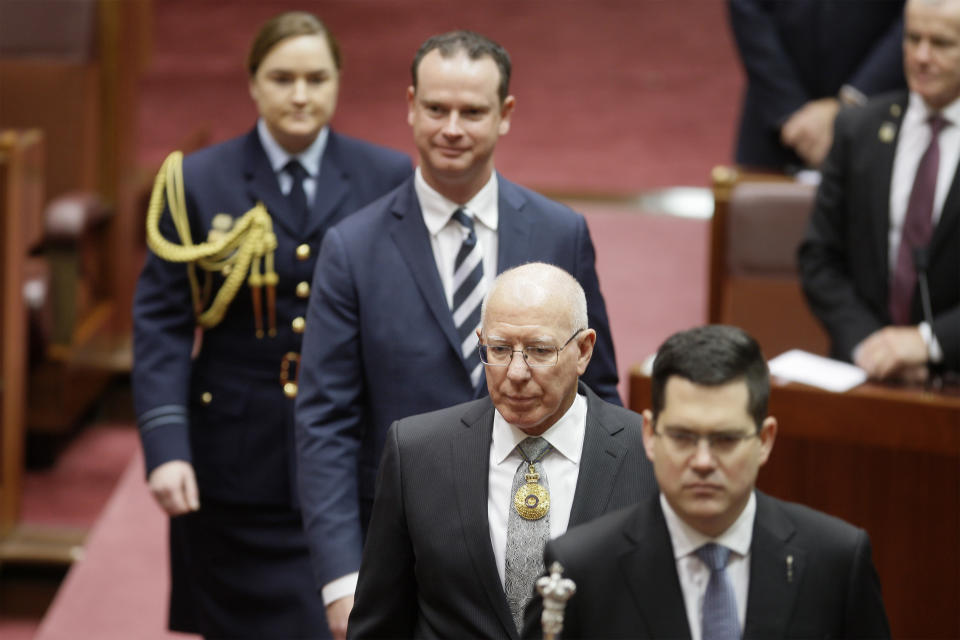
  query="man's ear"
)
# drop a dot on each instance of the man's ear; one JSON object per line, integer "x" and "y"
{"x": 648, "y": 433}
{"x": 585, "y": 343}
{"x": 768, "y": 433}
{"x": 411, "y": 102}
{"x": 506, "y": 112}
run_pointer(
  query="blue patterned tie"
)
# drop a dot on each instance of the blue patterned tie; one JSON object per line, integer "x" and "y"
{"x": 720, "y": 620}
{"x": 468, "y": 293}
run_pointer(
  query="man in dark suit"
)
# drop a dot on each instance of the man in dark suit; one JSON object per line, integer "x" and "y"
{"x": 804, "y": 60}
{"x": 395, "y": 305}
{"x": 890, "y": 193}
{"x": 711, "y": 556}
{"x": 215, "y": 420}
{"x": 443, "y": 559}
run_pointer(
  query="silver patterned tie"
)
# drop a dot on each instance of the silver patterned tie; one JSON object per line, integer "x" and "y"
{"x": 525, "y": 538}
{"x": 720, "y": 619}
{"x": 468, "y": 291}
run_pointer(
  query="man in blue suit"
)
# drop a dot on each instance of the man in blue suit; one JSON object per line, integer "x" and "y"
{"x": 391, "y": 325}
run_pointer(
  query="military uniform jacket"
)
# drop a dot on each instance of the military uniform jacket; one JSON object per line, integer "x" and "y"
{"x": 224, "y": 410}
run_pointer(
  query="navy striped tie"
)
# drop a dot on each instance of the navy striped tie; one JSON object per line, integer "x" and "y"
{"x": 468, "y": 291}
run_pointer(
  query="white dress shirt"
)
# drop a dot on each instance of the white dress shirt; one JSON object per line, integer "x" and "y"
{"x": 309, "y": 158}
{"x": 446, "y": 234}
{"x": 694, "y": 574}
{"x": 561, "y": 465}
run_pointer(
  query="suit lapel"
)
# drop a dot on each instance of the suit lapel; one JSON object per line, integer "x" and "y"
{"x": 650, "y": 572}
{"x": 332, "y": 186}
{"x": 880, "y": 162}
{"x": 602, "y": 456}
{"x": 776, "y": 571}
{"x": 412, "y": 240}
{"x": 471, "y": 458}
{"x": 262, "y": 185}
{"x": 513, "y": 227}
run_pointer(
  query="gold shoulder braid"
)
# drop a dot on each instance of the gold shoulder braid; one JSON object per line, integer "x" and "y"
{"x": 233, "y": 249}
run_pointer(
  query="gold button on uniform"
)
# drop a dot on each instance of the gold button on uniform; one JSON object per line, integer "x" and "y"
{"x": 303, "y": 289}
{"x": 206, "y": 397}
{"x": 303, "y": 252}
{"x": 290, "y": 390}
{"x": 299, "y": 324}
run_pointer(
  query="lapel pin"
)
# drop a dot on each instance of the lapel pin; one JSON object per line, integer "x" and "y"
{"x": 790, "y": 568}
{"x": 887, "y": 132}
{"x": 895, "y": 110}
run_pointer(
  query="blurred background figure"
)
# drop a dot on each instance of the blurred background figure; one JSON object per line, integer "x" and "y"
{"x": 887, "y": 215}
{"x": 217, "y": 427}
{"x": 804, "y": 60}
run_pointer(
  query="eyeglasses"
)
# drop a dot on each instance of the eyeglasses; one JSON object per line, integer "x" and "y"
{"x": 719, "y": 442}
{"x": 501, "y": 355}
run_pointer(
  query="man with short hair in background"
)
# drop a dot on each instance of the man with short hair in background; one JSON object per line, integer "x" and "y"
{"x": 887, "y": 215}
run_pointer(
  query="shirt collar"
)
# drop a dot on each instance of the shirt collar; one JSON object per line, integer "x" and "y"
{"x": 918, "y": 110}
{"x": 437, "y": 209}
{"x": 566, "y": 435}
{"x": 687, "y": 540}
{"x": 278, "y": 156}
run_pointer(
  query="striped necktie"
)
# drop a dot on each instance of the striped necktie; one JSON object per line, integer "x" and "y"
{"x": 468, "y": 292}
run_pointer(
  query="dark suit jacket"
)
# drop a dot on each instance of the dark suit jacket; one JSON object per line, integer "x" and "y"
{"x": 627, "y": 584}
{"x": 843, "y": 260}
{"x": 381, "y": 345}
{"x": 428, "y": 567}
{"x": 802, "y": 50}
{"x": 241, "y": 442}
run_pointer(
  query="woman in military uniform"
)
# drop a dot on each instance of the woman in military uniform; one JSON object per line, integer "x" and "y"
{"x": 218, "y": 319}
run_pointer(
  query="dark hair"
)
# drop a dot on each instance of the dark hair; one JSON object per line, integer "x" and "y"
{"x": 288, "y": 25}
{"x": 713, "y": 355}
{"x": 474, "y": 45}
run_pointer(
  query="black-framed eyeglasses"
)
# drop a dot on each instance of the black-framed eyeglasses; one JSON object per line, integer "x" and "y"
{"x": 501, "y": 355}
{"x": 719, "y": 442}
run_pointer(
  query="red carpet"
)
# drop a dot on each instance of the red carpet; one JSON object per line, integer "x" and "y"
{"x": 119, "y": 589}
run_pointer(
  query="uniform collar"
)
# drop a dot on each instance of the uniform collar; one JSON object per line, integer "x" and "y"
{"x": 279, "y": 157}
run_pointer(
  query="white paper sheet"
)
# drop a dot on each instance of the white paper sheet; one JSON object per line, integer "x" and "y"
{"x": 816, "y": 371}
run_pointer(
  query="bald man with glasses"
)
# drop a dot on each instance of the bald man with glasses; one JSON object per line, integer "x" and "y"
{"x": 467, "y": 496}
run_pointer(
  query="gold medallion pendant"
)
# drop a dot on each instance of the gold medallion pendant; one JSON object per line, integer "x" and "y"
{"x": 532, "y": 501}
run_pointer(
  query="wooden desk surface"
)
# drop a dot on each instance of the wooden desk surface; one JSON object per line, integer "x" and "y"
{"x": 886, "y": 459}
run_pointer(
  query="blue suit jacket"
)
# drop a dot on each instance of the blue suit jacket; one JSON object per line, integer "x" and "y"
{"x": 240, "y": 441}
{"x": 381, "y": 345}
{"x": 802, "y": 50}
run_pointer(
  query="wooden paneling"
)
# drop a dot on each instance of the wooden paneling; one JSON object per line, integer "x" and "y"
{"x": 21, "y": 195}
